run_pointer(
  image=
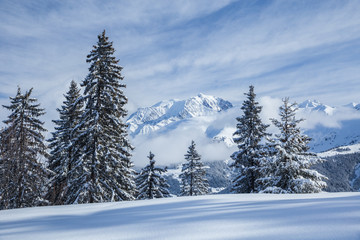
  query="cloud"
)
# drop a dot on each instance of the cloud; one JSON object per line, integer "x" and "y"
{"x": 44, "y": 44}
{"x": 175, "y": 49}
{"x": 170, "y": 147}
{"x": 313, "y": 119}
{"x": 291, "y": 56}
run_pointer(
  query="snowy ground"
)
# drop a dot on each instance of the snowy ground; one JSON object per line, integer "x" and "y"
{"x": 246, "y": 216}
{"x": 341, "y": 150}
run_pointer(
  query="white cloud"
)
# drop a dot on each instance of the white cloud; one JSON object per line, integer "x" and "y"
{"x": 170, "y": 147}
{"x": 178, "y": 49}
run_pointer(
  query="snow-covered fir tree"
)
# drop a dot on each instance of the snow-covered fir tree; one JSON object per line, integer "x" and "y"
{"x": 193, "y": 174}
{"x": 249, "y": 136}
{"x": 289, "y": 170}
{"x": 62, "y": 155}
{"x": 150, "y": 182}
{"x": 103, "y": 168}
{"x": 23, "y": 153}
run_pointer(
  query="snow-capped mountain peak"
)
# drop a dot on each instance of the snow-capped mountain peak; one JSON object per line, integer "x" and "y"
{"x": 170, "y": 112}
{"x": 309, "y": 104}
{"x": 316, "y": 106}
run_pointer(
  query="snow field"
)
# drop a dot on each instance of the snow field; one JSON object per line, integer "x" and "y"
{"x": 234, "y": 216}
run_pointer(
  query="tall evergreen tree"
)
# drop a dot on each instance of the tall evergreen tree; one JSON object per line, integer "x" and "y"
{"x": 150, "y": 183}
{"x": 250, "y": 133}
{"x": 103, "y": 168}
{"x": 62, "y": 155}
{"x": 22, "y": 149}
{"x": 289, "y": 169}
{"x": 193, "y": 179}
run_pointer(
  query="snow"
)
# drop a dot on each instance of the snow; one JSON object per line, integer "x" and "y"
{"x": 316, "y": 106}
{"x": 349, "y": 149}
{"x": 235, "y": 216}
{"x": 325, "y": 138}
{"x": 169, "y": 112}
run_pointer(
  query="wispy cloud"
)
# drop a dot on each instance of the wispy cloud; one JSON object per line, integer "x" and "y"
{"x": 176, "y": 49}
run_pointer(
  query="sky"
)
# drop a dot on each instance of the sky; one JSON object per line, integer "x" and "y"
{"x": 177, "y": 49}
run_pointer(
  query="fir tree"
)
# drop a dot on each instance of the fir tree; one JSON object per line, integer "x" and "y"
{"x": 150, "y": 183}
{"x": 103, "y": 168}
{"x": 22, "y": 149}
{"x": 289, "y": 169}
{"x": 62, "y": 155}
{"x": 250, "y": 134}
{"x": 193, "y": 180}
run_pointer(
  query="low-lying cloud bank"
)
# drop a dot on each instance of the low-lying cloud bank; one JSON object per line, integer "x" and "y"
{"x": 169, "y": 146}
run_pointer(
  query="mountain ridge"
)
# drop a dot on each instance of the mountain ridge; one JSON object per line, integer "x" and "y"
{"x": 165, "y": 116}
{"x": 166, "y": 113}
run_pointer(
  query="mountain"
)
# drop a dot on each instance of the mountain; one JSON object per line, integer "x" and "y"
{"x": 342, "y": 167}
{"x": 342, "y": 171}
{"x": 170, "y": 113}
{"x": 325, "y": 138}
{"x": 211, "y": 122}
{"x": 316, "y": 106}
{"x": 224, "y": 135}
{"x": 345, "y": 132}
{"x": 353, "y": 105}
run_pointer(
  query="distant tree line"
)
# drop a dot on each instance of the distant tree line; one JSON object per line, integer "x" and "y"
{"x": 88, "y": 157}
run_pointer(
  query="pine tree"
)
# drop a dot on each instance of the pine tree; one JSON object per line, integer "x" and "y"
{"x": 250, "y": 134}
{"x": 193, "y": 180}
{"x": 289, "y": 169}
{"x": 150, "y": 183}
{"x": 22, "y": 149}
{"x": 62, "y": 155}
{"x": 103, "y": 169}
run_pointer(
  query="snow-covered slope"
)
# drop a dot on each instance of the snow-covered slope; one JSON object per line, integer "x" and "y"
{"x": 169, "y": 113}
{"x": 342, "y": 150}
{"x": 325, "y": 138}
{"x": 233, "y": 216}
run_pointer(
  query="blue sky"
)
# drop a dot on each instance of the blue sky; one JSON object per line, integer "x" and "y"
{"x": 176, "y": 49}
